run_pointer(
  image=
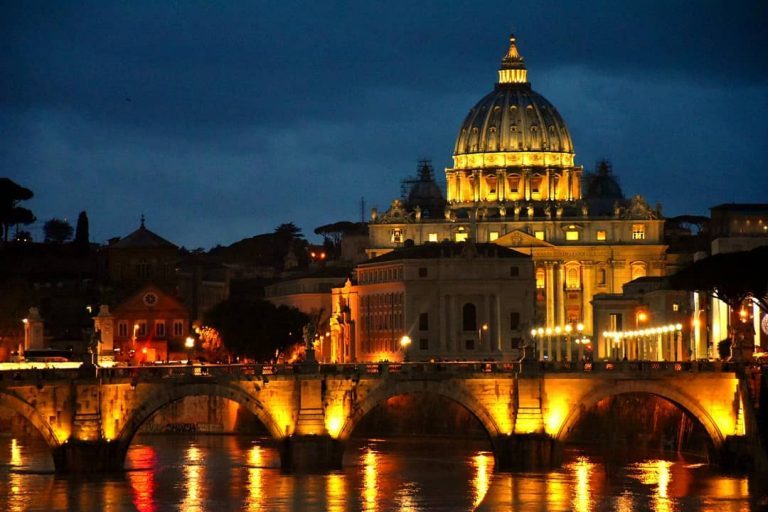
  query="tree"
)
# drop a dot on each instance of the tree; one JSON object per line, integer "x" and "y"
{"x": 11, "y": 214}
{"x": 57, "y": 231}
{"x": 333, "y": 233}
{"x": 289, "y": 230}
{"x": 734, "y": 278}
{"x": 82, "y": 236}
{"x": 730, "y": 277}
{"x": 256, "y": 328}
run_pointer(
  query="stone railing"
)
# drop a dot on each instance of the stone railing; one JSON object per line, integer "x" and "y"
{"x": 442, "y": 369}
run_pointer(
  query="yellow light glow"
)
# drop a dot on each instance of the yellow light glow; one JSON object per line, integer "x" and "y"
{"x": 370, "y": 491}
{"x": 255, "y": 479}
{"x": 334, "y": 419}
{"x": 335, "y": 493}
{"x": 554, "y": 417}
{"x": 582, "y": 500}
{"x": 194, "y": 475}
{"x": 482, "y": 481}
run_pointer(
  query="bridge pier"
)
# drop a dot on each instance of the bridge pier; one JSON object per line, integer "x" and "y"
{"x": 527, "y": 452}
{"x": 311, "y": 453}
{"x": 75, "y": 456}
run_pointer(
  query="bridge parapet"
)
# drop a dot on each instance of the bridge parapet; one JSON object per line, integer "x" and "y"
{"x": 524, "y": 407}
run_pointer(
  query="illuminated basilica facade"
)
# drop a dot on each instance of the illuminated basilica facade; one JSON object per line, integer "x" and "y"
{"x": 514, "y": 182}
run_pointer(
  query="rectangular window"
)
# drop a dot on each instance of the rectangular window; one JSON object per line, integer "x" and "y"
{"x": 675, "y": 307}
{"x": 423, "y": 272}
{"x": 432, "y": 237}
{"x": 539, "y": 235}
{"x": 638, "y": 231}
{"x": 397, "y": 236}
{"x": 572, "y": 235}
{"x": 424, "y": 322}
{"x": 160, "y": 329}
{"x": 469, "y": 344}
{"x": 423, "y": 344}
{"x": 462, "y": 237}
{"x": 514, "y": 271}
{"x": 493, "y": 236}
{"x": 178, "y": 328}
{"x": 601, "y": 235}
{"x": 122, "y": 329}
{"x": 140, "y": 328}
{"x": 514, "y": 320}
{"x": 615, "y": 323}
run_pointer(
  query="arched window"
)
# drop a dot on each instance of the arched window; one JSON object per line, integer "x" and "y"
{"x": 469, "y": 317}
{"x": 572, "y": 276}
{"x": 638, "y": 269}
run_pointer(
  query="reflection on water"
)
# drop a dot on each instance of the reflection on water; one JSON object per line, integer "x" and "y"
{"x": 236, "y": 473}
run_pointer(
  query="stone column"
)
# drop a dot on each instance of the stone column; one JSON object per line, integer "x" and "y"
{"x": 587, "y": 291}
{"x": 560, "y": 294}
{"x": 441, "y": 334}
{"x": 526, "y": 183}
{"x": 501, "y": 185}
{"x": 475, "y": 186}
{"x": 549, "y": 290}
{"x": 497, "y": 307}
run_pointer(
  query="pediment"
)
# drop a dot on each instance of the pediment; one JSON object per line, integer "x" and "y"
{"x": 519, "y": 238}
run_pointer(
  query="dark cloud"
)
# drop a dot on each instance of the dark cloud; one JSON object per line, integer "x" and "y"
{"x": 223, "y": 120}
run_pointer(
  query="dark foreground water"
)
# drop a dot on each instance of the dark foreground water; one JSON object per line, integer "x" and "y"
{"x": 220, "y": 473}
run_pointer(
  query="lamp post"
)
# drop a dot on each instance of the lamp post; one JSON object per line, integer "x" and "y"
{"x": 189, "y": 344}
{"x": 483, "y": 329}
{"x": 405, "y": 342}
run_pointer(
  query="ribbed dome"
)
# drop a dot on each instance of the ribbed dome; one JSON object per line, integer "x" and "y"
{"x": 513, "y": 119}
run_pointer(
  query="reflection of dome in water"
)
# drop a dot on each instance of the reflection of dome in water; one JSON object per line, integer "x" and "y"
{"x": 513, "y": 119}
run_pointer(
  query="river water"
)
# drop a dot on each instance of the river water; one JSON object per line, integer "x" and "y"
{"x": 222, "y": 473}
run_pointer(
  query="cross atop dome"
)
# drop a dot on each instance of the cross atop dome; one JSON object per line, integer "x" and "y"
{"x": 512, "y": 70}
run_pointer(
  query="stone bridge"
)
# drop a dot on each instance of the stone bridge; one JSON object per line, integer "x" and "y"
{"x": 89, "y": 416}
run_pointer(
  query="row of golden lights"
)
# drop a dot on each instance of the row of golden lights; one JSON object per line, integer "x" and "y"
{"x": 651, "y": 331}
{"x": 557, "y": 330}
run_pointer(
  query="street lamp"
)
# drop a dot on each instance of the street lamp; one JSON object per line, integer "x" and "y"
{"x": 405, "y": 342}
{"x": 189, "y": 344}
{"x": 483, "y": 328}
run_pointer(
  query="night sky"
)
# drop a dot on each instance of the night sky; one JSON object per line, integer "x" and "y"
{"x": 221, "y": 120}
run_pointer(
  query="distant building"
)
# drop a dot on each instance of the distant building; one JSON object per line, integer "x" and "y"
{"x": 515, "y": 183}
{"x": 149, "y": 325}
{"x": 457, "y": 301}
{"x": 648, "y": 321}
{"x": 142, "y": 257}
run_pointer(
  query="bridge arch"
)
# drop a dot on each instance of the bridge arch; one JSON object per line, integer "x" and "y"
{"x": 451, "y": 390}
{"x": 17, "y": 404}
{"x": 664, "y": 390}
{"x": 156, "y": 401}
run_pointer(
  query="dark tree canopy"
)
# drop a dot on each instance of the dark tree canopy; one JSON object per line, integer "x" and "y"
{"x": 11, "y": 214}
{"x": 333, "y": 233}
{"x": 82, "y": 235}
{"x": 289, "y": 230}
{"x": 730, "y": 277}
{"x": 256, "y": 328}
{"x": 57, "y": 231}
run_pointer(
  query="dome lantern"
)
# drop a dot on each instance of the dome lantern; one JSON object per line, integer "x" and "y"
{"x": 512, "y": 70}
